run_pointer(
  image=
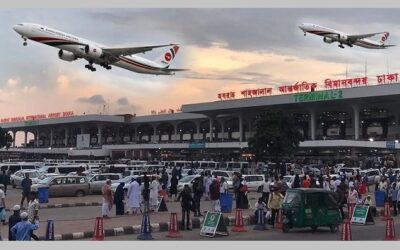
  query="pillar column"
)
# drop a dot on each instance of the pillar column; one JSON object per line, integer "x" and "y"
{"x": 222, "y": 129}
{"x": 51, "y": 137}
{"x": 66, "y": 137}
{"x": 155, "y": 133}
{"x": 240, "y": 127}
{"x": 211, "y": 129}
{"x": 135, "y": 135}
{"x": 99, "y": 133}
{"x": 37, "y": 138}
{"x": 175, "y": 131}
{"x": 313, "y": 124}
{"x": 356, "y": 111}
{"x": 26, "y": 138}
{"x": 14, "y": 134}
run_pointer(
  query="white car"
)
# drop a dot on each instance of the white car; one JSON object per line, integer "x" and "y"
{"x": 17, "y": 177}
{"x": 254, "y": 182}
{"x": 189, "y": 180}
{"x": 126, "y": 180}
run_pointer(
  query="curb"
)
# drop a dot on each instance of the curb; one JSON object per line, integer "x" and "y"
{"x": 77, "y": 204}
{"x": 135, "y": 229}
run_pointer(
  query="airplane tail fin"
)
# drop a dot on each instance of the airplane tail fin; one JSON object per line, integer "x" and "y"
{"x": 384, "y": 38}
{"x": 168, "y": 55}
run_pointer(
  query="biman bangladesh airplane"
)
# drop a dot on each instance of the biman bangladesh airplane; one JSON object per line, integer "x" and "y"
{"x": 72, "y": 48}
{"x": 331, "y": 36}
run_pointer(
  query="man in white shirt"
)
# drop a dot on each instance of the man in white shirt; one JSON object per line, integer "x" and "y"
{"x": 266, "y": 190}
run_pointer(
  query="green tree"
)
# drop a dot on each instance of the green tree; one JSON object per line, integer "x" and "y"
{"x": 276, "y": 135}
{"x": 5, "y": 139}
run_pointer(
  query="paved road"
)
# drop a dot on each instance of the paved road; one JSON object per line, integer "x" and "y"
{"x": 371, "y": 232}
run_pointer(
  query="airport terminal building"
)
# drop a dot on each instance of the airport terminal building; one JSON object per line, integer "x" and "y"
{"x": 336, "y": 122}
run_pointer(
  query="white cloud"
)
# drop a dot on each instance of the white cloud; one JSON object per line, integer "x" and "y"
{"x": 12, "y": 82}
{"x": 29, "y": 89}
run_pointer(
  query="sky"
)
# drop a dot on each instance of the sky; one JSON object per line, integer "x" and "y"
{"x": 225, "y": 50}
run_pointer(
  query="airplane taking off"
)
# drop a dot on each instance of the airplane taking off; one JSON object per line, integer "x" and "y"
{"x": 331, "y": 36}
{"x": 72, "y": 48}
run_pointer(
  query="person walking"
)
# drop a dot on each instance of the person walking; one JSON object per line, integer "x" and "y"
{"x": 13, "y": 220}
{"x": 173, "y": 190}
{"x": 207, "y": 183}
{"x": 394, "y": 198}
{"x": 26, "y": 189}
{"x": 296, "y": 182}
{"x": 275, "y": 203}
{"x": 186, "y": 204}
{"x": 33, "y": 211}
{"x": 107, "y": 201}
{"x": 340, "y": 198}
{"x": 223, "y": 186}
{"x": 215, "y": 194}
{"x": 2, "y": 206}
{"x": 119, "y": 199}
{"x": 154, "y": 189}
{"x": 351, "y": 198}
{"x": 134, "y": 197}
{"x": 5, "y": 180}
{"x": 198, "y": 190}
{"x": 22, "y": 230}
{"x": 266, "y": 190}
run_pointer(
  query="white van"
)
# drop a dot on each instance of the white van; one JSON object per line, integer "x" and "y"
{"x": 254, "y": 182}
{"x": 64, "y": 169}
{"x": 13, "y": 167}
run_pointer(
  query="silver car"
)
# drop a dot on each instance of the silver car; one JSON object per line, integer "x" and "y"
{"x": 97, "y": 182}
{"x": 17, "y": 177}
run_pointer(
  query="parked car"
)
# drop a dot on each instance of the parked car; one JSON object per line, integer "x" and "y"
{"x": 228, "y": 175}
{"x": 349, "y": 172}
{"x": 371, "y": 174}
{"x": 126, "y": 180}
{"x": 254, "y": 182}
{"x": 44, "y": 176}
{"x": 17, "y": 177}
{"x": 189, "y": 179}
{"x": 97, "y": 182}
{"x": 64, "y": 186}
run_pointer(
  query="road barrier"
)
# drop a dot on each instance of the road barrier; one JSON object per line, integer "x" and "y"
{"x": 260, "y": 217}
{"x": 50, "y": 230}
{"x": 386, "y": 213}
{"x": 145, "y": 233}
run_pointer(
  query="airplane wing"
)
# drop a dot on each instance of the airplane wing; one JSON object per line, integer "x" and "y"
{"x": 173, "y": 70}
{"x": 116, "y": 52}
{"x": 362, "y": 36}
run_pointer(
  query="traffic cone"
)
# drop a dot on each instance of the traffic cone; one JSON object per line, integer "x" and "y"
{"x": 390, "y": 232}
{"x": 98, "y": 229}
{"x": 50, "y": 230}
{"x": 173, "y": 226}
{"x": 239, "y": 224}
{"x": 278, "y": 224}
{"x": 346, "y": 230}
{"x": 386, "y": 214}
{"x": 145, "y": 233}
{"x": 260, "y": 220}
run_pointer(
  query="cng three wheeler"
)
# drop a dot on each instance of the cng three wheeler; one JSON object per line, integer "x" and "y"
{"x": 310, "y": 207}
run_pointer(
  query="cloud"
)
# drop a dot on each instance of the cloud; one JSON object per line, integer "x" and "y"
{"x": 95, "y": 99}
{"x": 29, "y": 90}
{"x": 12, "y": 82}
{"x": 123, "y": 101}
{"x": 63, "y": 82}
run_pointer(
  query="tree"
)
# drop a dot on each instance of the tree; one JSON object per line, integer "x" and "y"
{"x": 276, "y": 135}
{"x": 5, "y": 139}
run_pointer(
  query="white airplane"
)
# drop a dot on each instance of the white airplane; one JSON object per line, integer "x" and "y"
{"x": 72, "y": 48}
{"x": 331, "y": 36}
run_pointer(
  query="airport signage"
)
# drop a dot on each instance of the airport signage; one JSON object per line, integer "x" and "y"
{"x": 387, "y": 79}
{"x": 327, "y": 95}
{"x": 354, "y": 82}
{"x": 390, "y": 144}
{"x": 37, "y": 117}
{"x": 298, "y": 87}
{"x": 197, "y": 145}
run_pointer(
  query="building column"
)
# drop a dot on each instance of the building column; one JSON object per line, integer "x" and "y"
{"x": 240, "y": 127}
{"x": 222, "y": 129}
{"x": 135, "y": 135}
{"x": 66, "y": 137}
{"x": 211, "y": 129}
{"x": 155, "y": 133}
{"x": 313, "y": 122}
{"x": 175, "y": 131}
{"x": 51, "y": 137}
{"x": 14, "y": 134}
{"x": 26, "y": 138}
{"x": 99, "y": 133}
{"x": 356, "y": 110}
{"x": 37, "y": 138}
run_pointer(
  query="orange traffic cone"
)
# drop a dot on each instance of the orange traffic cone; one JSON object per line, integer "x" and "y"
{"x": 239, "y": 224}
{"x": 173, "y": 226}
{"x": 98, "y": 229}
{"x": 390, "y": 233}
{"x": 386, "y": 214}
{"x": 279, "y": 220}
{"x": 346, "y": 230}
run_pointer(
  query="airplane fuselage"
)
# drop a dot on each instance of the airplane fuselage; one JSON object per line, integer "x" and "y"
{"x": 338, "y": 36}
{"x": 76, "y": 45}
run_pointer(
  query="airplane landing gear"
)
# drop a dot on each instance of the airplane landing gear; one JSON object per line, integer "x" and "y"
{"x": 341, "y": 46}
{"x": 90, "y": 67}
{"x": 105, "y": 65}
{"x": 24, "y": 43}
{"x": 305, "y": 33}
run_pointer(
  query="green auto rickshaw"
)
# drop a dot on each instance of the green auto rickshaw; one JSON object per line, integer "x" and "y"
{"x": 310, "y": 207}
